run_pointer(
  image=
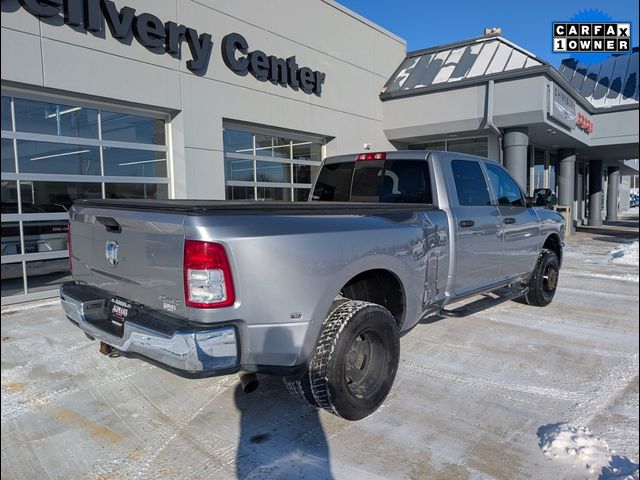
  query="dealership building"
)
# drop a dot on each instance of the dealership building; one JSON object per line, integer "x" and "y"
{"x": 211, "y": 100}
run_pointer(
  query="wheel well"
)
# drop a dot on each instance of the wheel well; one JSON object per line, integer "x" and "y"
{"x": 554, "y": 244}
{"x": 377, "y": 286}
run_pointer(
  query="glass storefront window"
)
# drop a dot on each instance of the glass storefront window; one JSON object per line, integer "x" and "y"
{"x": 440, "y": 146}
{"x": 131, "y": 128}
{"x": 301, "y": 194}
{"x": 237, "y": 141}
{"x": 45, "y": 236}
{"x": 11, "y": 238}
{"x": 264, "y": 145}
{"x": 240, "y": 193}
{"x": 134, "y": 163}
{"x": 157, "y": 191}
{"x": 307, "y": 151}
{"x": 472, "y": 146}
{"x": 281, "y": 148}
{"x": 6, "y": 114}
{"x": 274, "y": 193}
{"x": 302, "y": 173}
{"x": 9, "y": 192}
{"x": 12, "y": 279}
{"x": 240, "y": 170}
{"x": 57, "y": 158}
{"x": 43, "y": 275}
{"x": 295, "y": 162}
{"x": 274, "y": 147}
{"x": 55, "y": 197}
{"x": 8, "y": 160}
{"x": 67, "y": 152}
{"x": 55, "y": 119}
{"x": 273, "y": 172}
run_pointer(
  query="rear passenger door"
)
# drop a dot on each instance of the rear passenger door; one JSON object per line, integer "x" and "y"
{"x": 478, "y": 245}
{"x": 520, "y": 225}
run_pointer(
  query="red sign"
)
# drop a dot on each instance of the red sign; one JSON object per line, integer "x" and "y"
{"x": 584, "y": 123}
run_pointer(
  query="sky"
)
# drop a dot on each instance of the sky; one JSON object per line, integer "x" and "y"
{"x": 429, "y": 23}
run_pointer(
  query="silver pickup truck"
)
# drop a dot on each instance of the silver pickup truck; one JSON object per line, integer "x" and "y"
{"x": 316, "y": 292}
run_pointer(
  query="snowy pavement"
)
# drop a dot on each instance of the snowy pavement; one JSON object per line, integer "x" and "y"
{"x": 511, "y": 392}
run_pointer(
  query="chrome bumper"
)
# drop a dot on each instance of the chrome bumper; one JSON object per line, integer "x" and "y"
{"x": 185, "y": 350}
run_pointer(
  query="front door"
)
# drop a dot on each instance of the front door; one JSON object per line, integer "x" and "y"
{"x": 520, "y": 225}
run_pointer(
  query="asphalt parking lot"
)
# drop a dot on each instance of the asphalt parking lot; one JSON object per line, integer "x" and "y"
{"x": 501, "y": 393}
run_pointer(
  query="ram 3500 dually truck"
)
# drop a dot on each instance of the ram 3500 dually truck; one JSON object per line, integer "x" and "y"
{"x": 316, "y": 292}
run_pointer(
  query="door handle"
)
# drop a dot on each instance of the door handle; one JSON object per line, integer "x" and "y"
{"x": 509, "y": 220}
{"x": 466, "y": 223}
{"x": 110, "y": 224}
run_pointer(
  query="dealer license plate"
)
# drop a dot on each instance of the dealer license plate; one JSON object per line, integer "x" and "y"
{"x": 120, "y": 310}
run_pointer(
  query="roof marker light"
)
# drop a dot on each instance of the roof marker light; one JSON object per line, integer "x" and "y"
{"x": 371, "y": 156}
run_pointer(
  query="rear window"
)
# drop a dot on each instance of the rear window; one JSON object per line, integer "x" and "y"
{"x": 471, "y": 186}
{"x": 334, "y": 182}
{"x": 371, "y": 181}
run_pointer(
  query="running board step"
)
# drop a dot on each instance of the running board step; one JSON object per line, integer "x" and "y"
{"x": 488, "y": 300}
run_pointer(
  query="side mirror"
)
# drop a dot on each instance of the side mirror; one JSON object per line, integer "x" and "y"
{"x": 544, "y": 197}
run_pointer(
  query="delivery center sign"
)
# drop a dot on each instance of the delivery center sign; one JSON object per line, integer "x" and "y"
{"x": 168, "y": 37}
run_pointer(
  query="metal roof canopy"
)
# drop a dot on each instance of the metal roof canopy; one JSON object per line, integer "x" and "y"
{"x": 610, "y": 83}
{"x": 480, "y": 59}
{"x": 454, "y": 62}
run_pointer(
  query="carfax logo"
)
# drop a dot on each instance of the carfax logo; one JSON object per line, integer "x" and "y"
{"x": 592, "y": 37}
{"x": 589, "y": 32}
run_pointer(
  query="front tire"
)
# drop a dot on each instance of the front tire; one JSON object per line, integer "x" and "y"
{"x": 544, "y": 280}
{"x": 356, "y": 360}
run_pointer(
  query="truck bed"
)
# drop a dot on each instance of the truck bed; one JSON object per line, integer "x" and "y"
{"x": 225, "y": 207}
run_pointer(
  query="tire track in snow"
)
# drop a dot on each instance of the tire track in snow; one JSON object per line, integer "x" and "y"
{"x": 475, "y": 383}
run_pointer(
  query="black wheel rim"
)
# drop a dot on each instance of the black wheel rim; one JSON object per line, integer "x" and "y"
{"x": 550, "y": 278}
{"x": 365, "y": 364}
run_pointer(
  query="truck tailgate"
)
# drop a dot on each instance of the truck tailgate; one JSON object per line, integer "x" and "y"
{"x": 134, "y": 255}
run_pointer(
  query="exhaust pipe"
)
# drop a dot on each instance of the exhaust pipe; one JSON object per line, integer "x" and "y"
{"x": 108, "y": 350}
{"x": 248, "y": 381}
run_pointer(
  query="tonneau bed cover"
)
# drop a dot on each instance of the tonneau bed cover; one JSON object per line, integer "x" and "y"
{"x": 225, "y": 207}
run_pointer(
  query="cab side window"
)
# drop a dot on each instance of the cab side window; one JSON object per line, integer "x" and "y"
{"x": 471, "y": 186}
{"x": 505, "y": 187}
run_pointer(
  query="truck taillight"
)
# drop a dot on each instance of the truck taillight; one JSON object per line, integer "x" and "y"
{"x": 207, "y": 275}
{"x": 371, "y": 156}
{"x": 69, "y": 244}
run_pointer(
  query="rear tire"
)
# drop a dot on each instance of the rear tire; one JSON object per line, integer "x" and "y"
{"x": 356, "y": 360}
{"x": 544, "y": 280}
{"x": 300, "y": 387}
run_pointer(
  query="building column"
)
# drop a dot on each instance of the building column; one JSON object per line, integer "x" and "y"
{"x": 613, "y": 181}
{"x": 595, "y": 193}
{"x": 625, "y": 183}
{"x": 514, "y": 144}
{"x": 579, "y": 190}
{"x": 585, "y": 192}
{"x": 566, "y": 176}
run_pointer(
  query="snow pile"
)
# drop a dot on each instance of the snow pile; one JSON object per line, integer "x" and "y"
{"x": 625, "y": 254}
{"x": 577, "y": 446}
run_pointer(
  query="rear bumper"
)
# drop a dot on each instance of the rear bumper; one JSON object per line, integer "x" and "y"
{"x": 151, "y": 335}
